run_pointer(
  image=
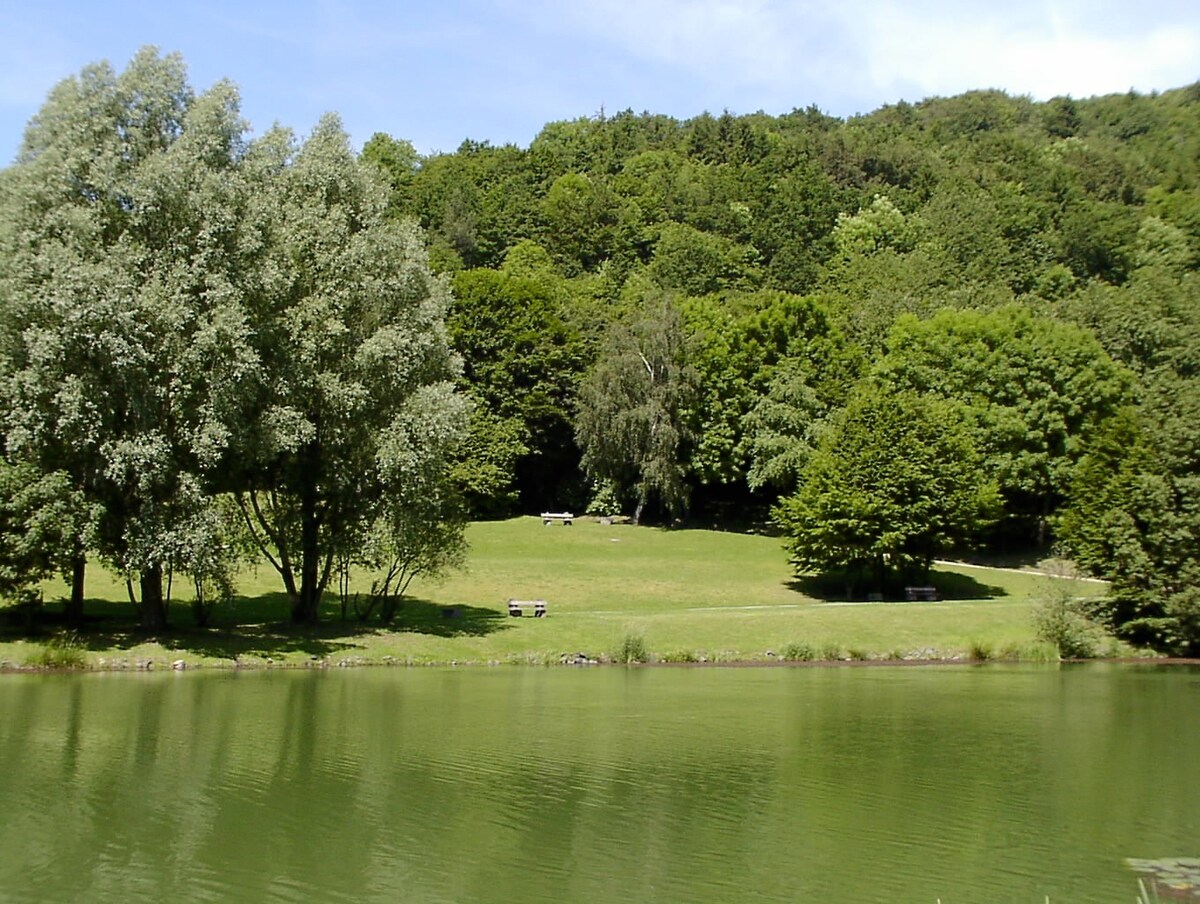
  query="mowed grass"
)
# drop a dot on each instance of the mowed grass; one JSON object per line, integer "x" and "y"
{"x": 690, "y": 595}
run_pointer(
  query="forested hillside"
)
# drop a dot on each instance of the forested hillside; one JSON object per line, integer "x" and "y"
{"x": 730, "y": 316}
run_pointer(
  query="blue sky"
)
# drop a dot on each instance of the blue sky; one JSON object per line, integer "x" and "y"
{"x": 444, "y": 70}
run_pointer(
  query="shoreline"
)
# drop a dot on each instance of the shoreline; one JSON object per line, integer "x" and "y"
{"x": 147, "y": 667}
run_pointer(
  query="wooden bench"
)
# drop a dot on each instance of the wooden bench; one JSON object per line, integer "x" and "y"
{"x": 516, "y": 608}
{"x": 550, "y": 517}
{"x": 922, "y": 594}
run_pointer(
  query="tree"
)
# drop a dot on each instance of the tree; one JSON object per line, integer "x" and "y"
{"x": 768, "y": 366}
{"x": 522, "y": 364}
{"x": 124, "y": 248}
{"x": 357, "y": 394}
{"x": 895, "y": 481}
{"x": 1036, "y": 389}
{"x": 697, "y": 263}
{"x": 1134, "y": 520}
{"x": 418, "y": 525}
{"x": 632, "y": 404}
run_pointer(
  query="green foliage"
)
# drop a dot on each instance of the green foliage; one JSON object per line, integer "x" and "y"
{"x": 605, "y": 500}
{"x": 632, "y": 650}
{"x": 698, "y": 263}
{"x": 881, "y": 226}
{"x": 522, "y": 363}
{"x": 584, "y": 220}
{"x": 127, "y": 246}
{"x": 768, "y": 366}
{"x": 895, "y": 482}
{"x": 190, "y": 315}
{"x": 1035, "y": 390}
{"x": 1134, "y": 518}
{"x": 630, "y": 424}
{"x": 1060, "y": 621}
{"x": 484, "y": 471}
{"x": 799, "y": 652}
{"x": 29, "y": 541}
{"x": 358, "y": 407}
{"x": 63, "y": 651}
{"x": 681, "y": 656}
{"x": 981, "y": 650}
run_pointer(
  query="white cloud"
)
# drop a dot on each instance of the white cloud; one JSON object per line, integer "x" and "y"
{"x": 1054, "y": 56}
{"x": 776, "y": 54}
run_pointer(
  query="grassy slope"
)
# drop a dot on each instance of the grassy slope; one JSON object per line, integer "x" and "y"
{"x": 720, "y": 596}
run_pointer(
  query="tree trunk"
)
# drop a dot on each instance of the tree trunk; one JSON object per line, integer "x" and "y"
{"x": 74, "y": 607}
{"x": 308, "y": 601}
{"x": 154, "y": 610}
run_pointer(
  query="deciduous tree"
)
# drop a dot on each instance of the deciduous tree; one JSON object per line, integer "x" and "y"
{"x": 124, "y": 249}
{"x": 631, "y": 422}
{"x": 358, "y": 396}
{"x": 895, "y": 481}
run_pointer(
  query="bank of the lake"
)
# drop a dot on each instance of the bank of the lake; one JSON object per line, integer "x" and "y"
{"x": 612, "y": 591}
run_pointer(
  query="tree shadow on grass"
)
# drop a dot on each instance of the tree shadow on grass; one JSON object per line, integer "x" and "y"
{"x": 455, "y": 620}
{"x": 258, "y": 627}
{"x": 950, "y": 586}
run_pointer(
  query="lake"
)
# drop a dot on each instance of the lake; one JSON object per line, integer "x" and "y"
{"x": 889, "y": 784}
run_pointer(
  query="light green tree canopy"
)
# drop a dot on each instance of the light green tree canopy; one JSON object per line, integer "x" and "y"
{"x": 1035, "y": 388}
{"x": 125, "y": 244}
{"x": 357, "y": 404}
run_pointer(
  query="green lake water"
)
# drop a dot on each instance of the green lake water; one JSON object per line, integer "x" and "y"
{"x": 968, "y": 784}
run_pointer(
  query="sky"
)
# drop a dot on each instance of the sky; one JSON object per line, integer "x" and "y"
{"x": 438, "y": 72}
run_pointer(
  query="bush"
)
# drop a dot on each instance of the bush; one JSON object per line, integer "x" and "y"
{"x": 63, "y": 651}
{"x": 1060, "y": 622}
{"x": 681, "y": 656}
{"x": 981, "y": 651}
{"x": 799, "y": 652}
{"x": 632, "y": 649}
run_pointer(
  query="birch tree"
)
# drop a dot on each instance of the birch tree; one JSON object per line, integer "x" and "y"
{"x": 633, "y": 403}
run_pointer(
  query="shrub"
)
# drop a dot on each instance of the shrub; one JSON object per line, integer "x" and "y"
{"x": 632, "y": 649}
{"x": 981, "y": 650}
{"x": 681, "y": 656}
{"x": 62, "y": 651}
{"x": 831, "y": 651}
{"x": 799, "y": 652}
{"x": 1059, "y": 621}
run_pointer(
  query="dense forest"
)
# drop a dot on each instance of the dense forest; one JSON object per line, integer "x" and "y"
{"x": 965, "y": 322}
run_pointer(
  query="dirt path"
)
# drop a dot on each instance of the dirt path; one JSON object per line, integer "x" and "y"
{"x": 1043, "y": 574}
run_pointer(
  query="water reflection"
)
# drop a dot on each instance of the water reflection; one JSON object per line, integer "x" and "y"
{"x": 966, "y": 784}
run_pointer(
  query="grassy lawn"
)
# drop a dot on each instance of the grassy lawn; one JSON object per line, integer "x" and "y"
{"x": 687, "y": 594}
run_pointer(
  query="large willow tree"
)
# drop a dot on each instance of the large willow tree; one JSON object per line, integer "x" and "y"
{"x": 189, "y": 316}
{"x": 359, "y": 416}
{"x": 126, "y": 352}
